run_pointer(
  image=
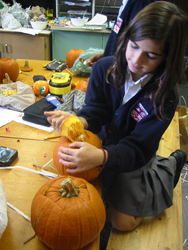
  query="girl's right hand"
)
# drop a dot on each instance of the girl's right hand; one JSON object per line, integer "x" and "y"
{"x": 56, "y": 118}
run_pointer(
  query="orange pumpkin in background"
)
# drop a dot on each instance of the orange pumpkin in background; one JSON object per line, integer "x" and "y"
{"x": 41, "y": 87}
{"x": 9, "y": 66}
{"x": 67, "y": 213}
{"x": 73, "y": 130}
{"x": 82, "y": 85}
{"x": 72, "y": 55}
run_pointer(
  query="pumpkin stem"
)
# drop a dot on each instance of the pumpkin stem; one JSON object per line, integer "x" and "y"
{"x": 7, "y": 80}
{"x": 26, "y": 64}
{"x": 68, "y": 189}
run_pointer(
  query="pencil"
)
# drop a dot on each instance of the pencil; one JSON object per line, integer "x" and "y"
{"x": 52, "y": 137}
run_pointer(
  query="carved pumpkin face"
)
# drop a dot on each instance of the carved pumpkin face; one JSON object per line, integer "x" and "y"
{"x": 9, "y": 66}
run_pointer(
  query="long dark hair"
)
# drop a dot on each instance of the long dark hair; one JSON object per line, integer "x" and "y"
{"x": 162, "y": 22}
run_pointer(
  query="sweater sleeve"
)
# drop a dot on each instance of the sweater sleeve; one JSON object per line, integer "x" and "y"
{"x": 98, "y": 108}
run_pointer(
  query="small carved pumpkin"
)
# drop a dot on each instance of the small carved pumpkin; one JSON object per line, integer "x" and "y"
{"x": 73, "y": 130}
{"x": 9, "y": 66}
{"x": 67, "y": 213}
{"x": 72, "y": 55}
{"x": 41, "y": 87}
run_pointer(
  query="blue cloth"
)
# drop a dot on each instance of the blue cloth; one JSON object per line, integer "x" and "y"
{"x": 129, "y": 12}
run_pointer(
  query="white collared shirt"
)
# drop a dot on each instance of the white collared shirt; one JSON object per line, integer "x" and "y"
{"x": 124, "y": 3}
{"x": 132, "y": 88}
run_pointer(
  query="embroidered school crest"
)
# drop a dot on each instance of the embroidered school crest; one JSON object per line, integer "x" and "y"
{"x": 139, "y": 112}
{"x": 117, "y": 25}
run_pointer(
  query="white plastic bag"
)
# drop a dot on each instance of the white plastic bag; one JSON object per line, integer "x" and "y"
{"x": 81, "y": 69}
{"x": 25, "y": 96}
{"x": 10, "y": 22}
{"x": 3, "y": 210}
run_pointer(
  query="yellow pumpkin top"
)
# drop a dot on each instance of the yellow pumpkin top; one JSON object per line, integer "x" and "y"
{"x": 73, "y": 129}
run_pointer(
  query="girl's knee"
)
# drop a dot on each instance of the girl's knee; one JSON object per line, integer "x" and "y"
{"x": 123, "y": 222}
{"x": 127, "y": 223}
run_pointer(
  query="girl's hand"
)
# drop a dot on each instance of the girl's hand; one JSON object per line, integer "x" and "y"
{"x": 56, "y": 118}
{"x": 92, "y": 60}
{"x": 80, "y": 156}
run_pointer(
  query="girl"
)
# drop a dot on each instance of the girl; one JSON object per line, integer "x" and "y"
{"x": 131, "y": 99}
{"x": 127, "y": 11}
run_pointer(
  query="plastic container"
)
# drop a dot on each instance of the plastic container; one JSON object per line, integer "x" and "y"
{"x": 3, "y": 210}
{"x": 38, "y": 25}
{"x": 60, "y": 84}
{"x": 79, "y": 22}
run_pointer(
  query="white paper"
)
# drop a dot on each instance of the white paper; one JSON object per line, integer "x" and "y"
{"x": 29, "y": 31}
{"x": 98, "y": 19}
{"x": 31, "y": 124}
{"x": 8, "y": 115}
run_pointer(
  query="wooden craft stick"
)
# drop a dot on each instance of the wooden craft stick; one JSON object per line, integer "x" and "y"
{"x": 52, "y": 137}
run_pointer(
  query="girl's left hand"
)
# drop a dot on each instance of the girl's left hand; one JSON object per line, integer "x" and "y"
{"x": 80, "y": 156}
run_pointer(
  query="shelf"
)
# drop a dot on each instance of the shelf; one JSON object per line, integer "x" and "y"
{"x": 95, "y": 7}
{"x": 107, "y": 6}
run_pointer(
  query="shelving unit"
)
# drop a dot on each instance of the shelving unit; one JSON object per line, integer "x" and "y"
{"x": 110, "y": 8}
{"x": 62, "y": 7}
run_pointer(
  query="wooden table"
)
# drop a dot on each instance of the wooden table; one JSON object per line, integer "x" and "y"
{"x": 164, "y": 231}
{"x": 21, "y": 185}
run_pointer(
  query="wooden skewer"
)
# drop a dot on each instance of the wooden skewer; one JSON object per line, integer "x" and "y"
{"x": 52, "y": 137}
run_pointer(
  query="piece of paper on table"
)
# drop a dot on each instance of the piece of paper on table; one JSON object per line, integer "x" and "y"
{"x": 98, "y": 19}
{"x": 31, "y": 124}
{"x": 29, "y": 31}
{"x": 8, "y": 115}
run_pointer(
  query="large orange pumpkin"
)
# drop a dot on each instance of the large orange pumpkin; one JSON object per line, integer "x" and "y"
{"x": 73, "y": 130}
{"x": 67, "y": 213}
{"x": 9, "y": 66}
{"x": 72, "y": 55}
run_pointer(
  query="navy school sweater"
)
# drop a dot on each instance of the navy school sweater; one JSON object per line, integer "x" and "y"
{"x": 130, "y": 132}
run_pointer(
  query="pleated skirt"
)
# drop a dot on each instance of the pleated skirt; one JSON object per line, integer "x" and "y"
{"x": 145, "y": 192}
